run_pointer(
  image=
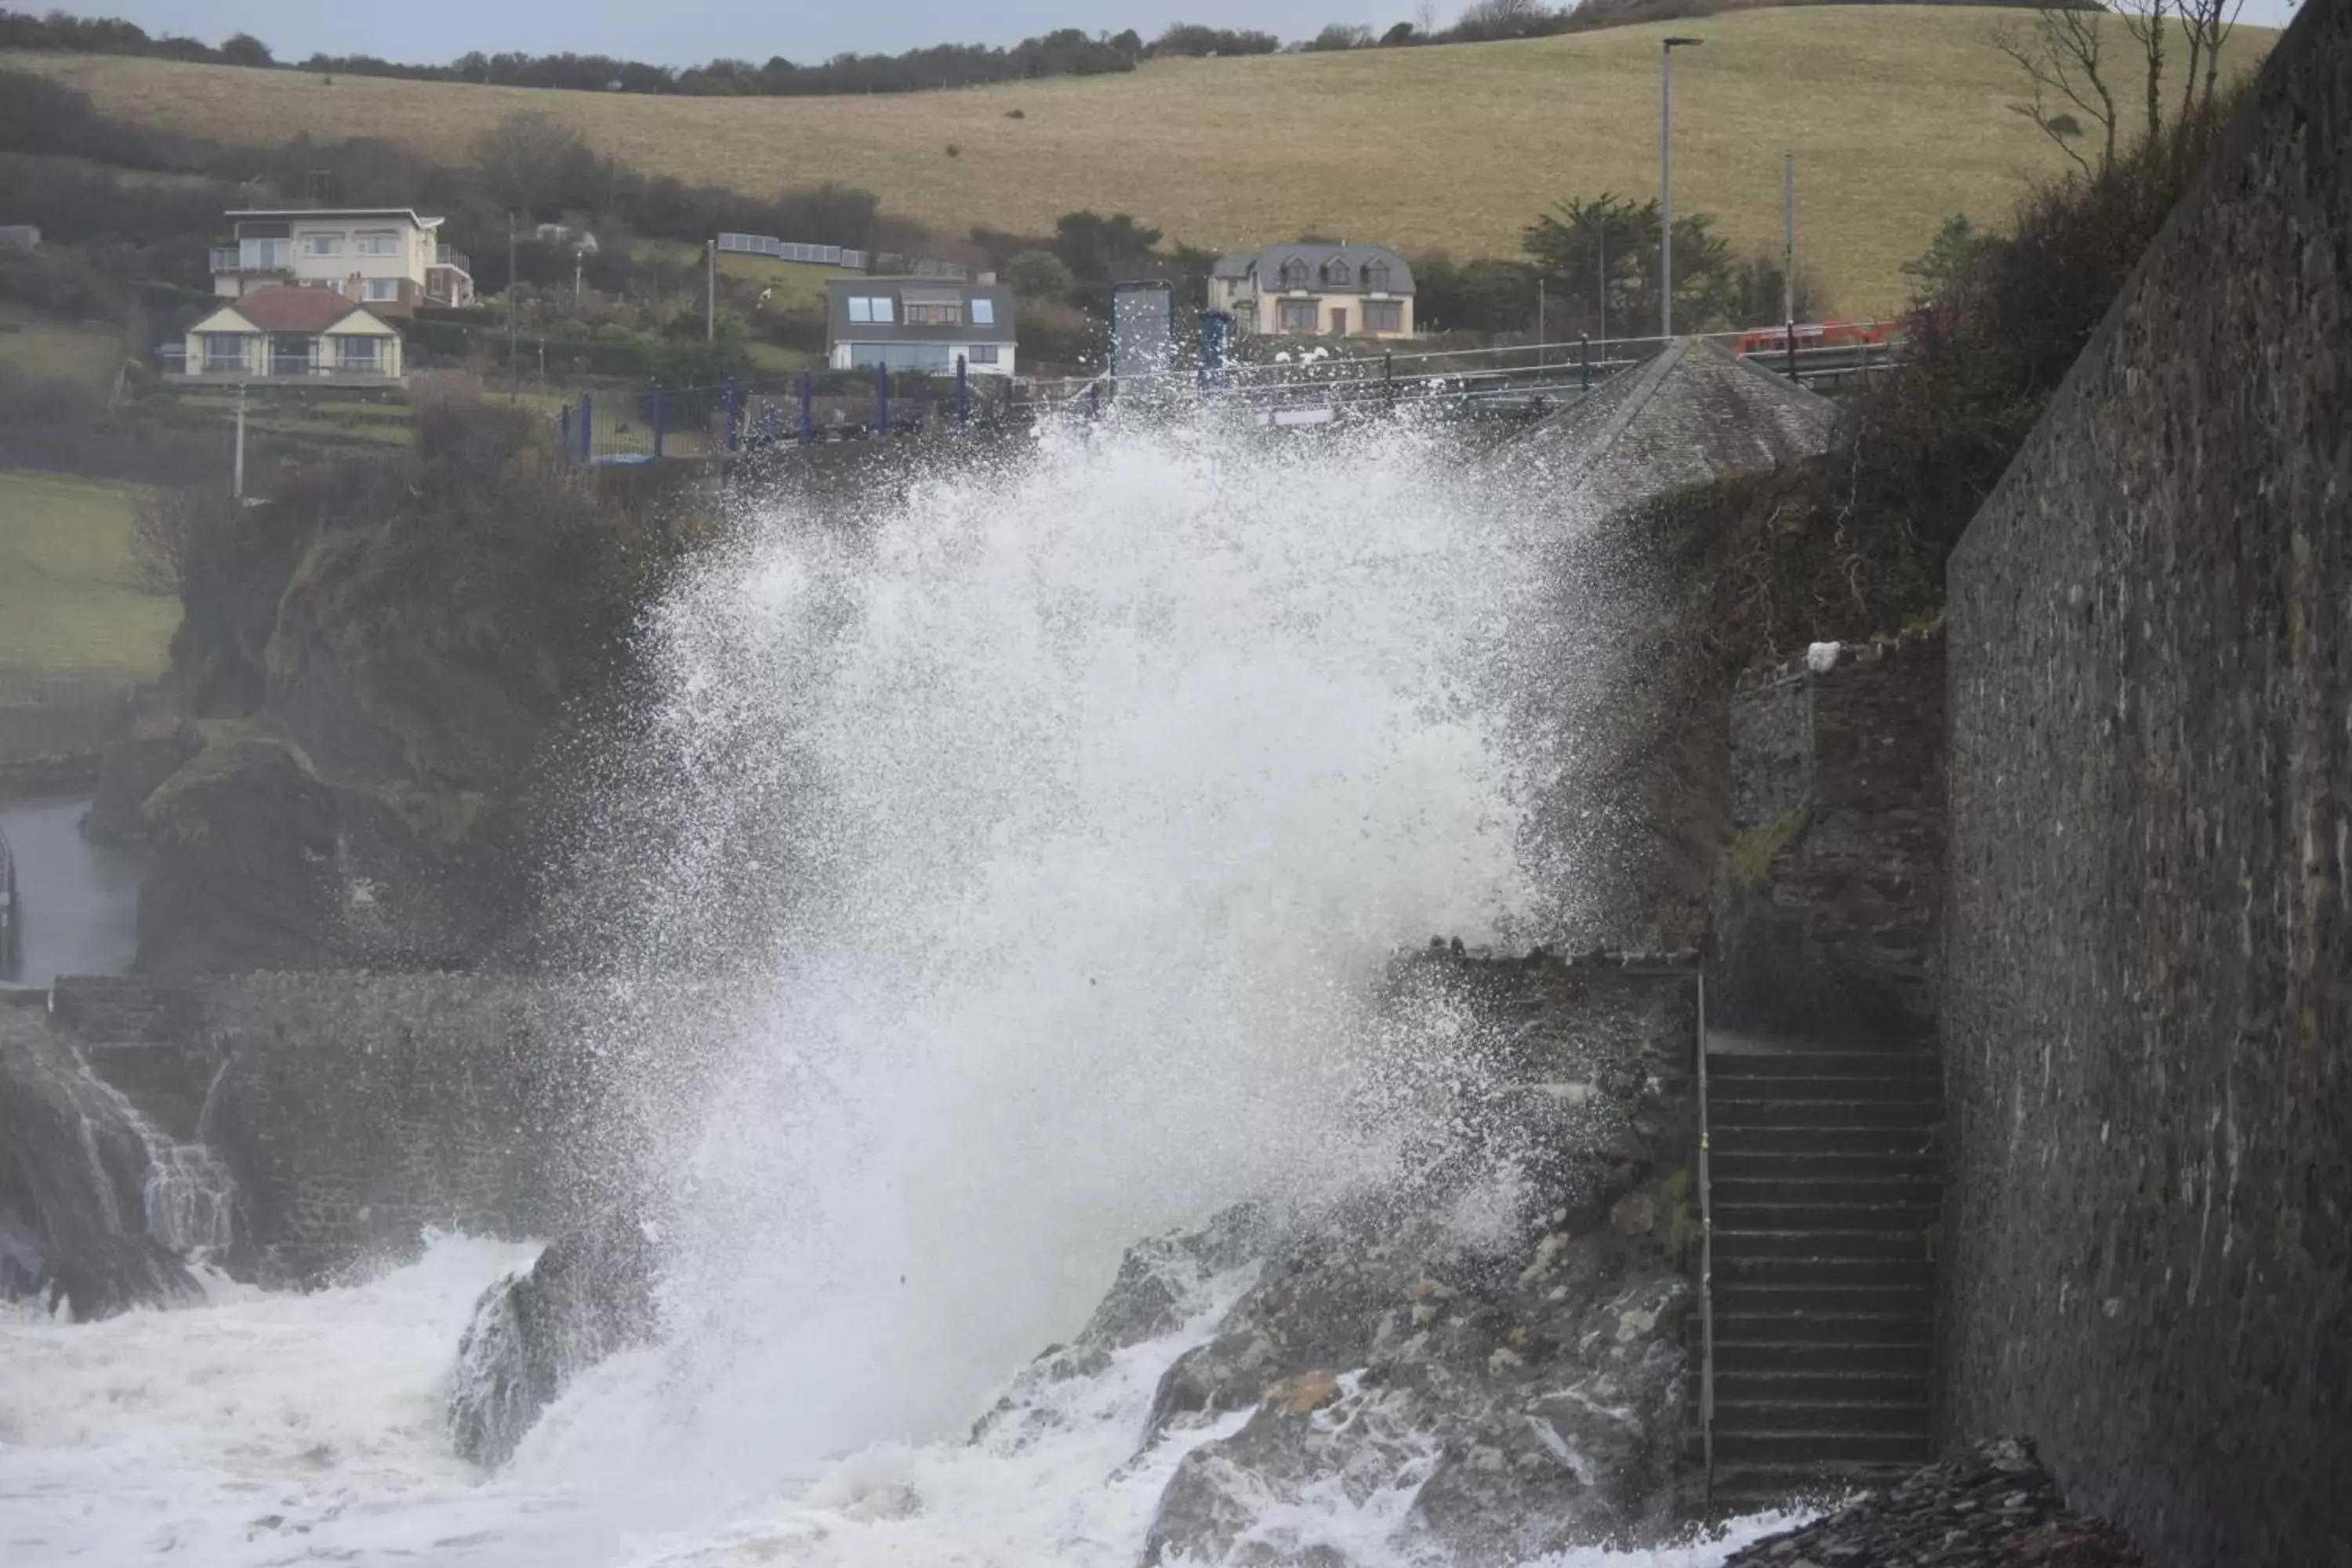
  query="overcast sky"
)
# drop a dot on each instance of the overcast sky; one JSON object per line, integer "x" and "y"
{"x": 688, "y": 32}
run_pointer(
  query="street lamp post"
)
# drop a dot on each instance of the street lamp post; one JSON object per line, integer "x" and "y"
{"x": 1666, "y": 180}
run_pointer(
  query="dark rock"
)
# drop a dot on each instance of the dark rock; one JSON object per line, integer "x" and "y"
{"x": 590, "y": 1294}
{"x": 1993, "y": 1507}
{"x": 102, "y": 1276}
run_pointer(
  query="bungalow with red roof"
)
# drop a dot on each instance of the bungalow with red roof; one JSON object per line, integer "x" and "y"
{"x": 285, "y": 333}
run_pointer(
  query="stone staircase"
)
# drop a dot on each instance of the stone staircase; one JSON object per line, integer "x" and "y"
{"x": 1824, "y": 1187}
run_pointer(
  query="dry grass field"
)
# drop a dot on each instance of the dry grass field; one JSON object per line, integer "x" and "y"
{"x": 1897, "y": 115}
{"x": 69, "y": 601}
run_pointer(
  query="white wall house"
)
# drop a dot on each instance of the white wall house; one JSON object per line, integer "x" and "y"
{"x": 290, "y": 335}
{"x": 919, "y": 323}
{"x": 387, "y": 259}
{"x": 1315, "y": 291}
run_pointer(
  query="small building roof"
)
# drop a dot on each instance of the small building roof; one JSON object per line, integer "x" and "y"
{"x": 408, "y": 213}
{"x": 281, "y": 308}
{"x": 1268, "y": 263}
{"x": 839, "y": 328}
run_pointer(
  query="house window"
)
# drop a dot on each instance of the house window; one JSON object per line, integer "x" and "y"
{"x": 901, "y": 356}
{"x": 1294, "y": 274}
{"x": 1294, "y": 315}
{"x": 383, "y": 242}
{"x": 950, "y": 315}
{"x": 874, "y": 309}
{"x": 981, "y": 354}
{"x": 322, "y": 245}
{"x": 1338, "y": 274}
{"x": 1383, "y": 315}
{"x": 223, "y": 351}
{"x": 1376, "y": 277}
{"x": 384, "y": 288}
{"x": 983, "y": 314}
{"x": 361, "y": 353}
{"x": 265, "y": 255}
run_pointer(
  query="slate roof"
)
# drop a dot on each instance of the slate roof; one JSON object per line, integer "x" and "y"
{"x": 840, "y": 329}
{"x": 1268, "y": 263}
{"x": 1694, "y": 412}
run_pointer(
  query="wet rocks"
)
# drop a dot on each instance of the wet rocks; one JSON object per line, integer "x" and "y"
{"x": 588, "y": 1295}
{"x": 1991, "y": 1507}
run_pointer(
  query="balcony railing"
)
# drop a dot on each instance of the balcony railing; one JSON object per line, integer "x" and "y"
{"x": 446, "y": 256}
{"x": 225, "y": 258}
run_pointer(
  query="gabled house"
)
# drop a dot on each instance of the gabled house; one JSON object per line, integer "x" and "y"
{"x": 292, "y": 334}
{"x": 919, "y": 323}
{"x": 1316, "y": 291}
{"x": 388, "y": 259}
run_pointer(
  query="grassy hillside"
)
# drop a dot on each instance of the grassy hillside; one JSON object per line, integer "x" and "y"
{"x": 1897, "y": 116}
{"x": 68, "y": 605}
{"x": 44, "y": 347}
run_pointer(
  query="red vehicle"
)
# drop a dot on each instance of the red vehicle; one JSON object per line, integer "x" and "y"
{"x": 1819, "y": 335}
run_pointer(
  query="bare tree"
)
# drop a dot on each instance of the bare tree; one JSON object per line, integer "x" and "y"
{"x": 2062, "y": 53}
{"x": 2149, "y": 23}
{"x": 1425, "y": 15}
{"x": 532, "y": 161}
{"x": 2206, "y": 25}
{"x": 175, "y": 533}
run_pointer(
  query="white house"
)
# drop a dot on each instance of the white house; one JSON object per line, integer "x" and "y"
{"x": 388, "y": 259}
{"x": 285, "y": 335}
{"x": 920, "y": 323}
{"x": 1312, "y": 290}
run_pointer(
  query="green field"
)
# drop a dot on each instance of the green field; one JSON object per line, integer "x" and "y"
{"x": 44, "y": 347}
{"x": 1898, "y": 115}
{"x": 69, "y": 602}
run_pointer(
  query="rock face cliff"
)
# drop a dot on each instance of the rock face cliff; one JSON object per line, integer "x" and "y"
{"x": 346, "y": 765}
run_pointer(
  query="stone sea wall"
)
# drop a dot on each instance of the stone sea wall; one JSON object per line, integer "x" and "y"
{"x": 2148, "y": 1022}
{"x": 356, "y": 1111}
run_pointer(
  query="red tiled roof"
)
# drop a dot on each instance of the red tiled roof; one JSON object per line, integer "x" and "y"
{"x": 278, "y": 309}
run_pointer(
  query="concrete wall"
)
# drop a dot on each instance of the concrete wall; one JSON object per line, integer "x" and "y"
{"x": 1828, "y": 915}
{"x": 2148, "y": 1014}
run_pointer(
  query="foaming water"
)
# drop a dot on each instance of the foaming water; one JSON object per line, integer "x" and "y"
{"x": 1047, "y": 824}
{"x": 1111, "y": 778}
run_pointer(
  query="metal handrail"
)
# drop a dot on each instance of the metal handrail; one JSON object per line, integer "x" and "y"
{"x": 1705, "y": 1259}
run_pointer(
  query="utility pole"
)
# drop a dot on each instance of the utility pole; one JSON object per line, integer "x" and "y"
{"x": 1541, "y": 320}
{"x": 1601, "y": 233}
{"x": 1666, "y": 180}
{"x": 1788, "y": 255}
{"x": 238, "y": 485}
{"x": 711, "y": 296}
{"x": 514, "y": 317}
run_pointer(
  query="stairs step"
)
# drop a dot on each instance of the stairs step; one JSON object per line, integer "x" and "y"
{"x": 1918, "y": 1066}
{"x": 1736, "y": 1192}
{"x": 1906, "y": 1273}
{"x": 1799, "y": 1356}
{"x": 1820, "y": 1387}
{"x": 1915, "y": 1141}
{"x": 1910, "y": 1449}
{"x": 1820, "y": 1164}
{"x": 1876, "y": 1113}
{"x": 1780, "y": 1089}
{"x": 1749, "y": 1215}
{"x": 1755, "y": 1486}
{"x": 1821, "y": 1329}
{"x": 1742, "y": 1298}
{"x": 1733, "y": 1246}
{"x": 1821, "y": 1420}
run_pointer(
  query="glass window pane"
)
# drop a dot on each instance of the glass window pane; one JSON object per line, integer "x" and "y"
{"x": 859, "y": 309}
{"x": 984, "y": 312}
{"x": 882, "y": 306}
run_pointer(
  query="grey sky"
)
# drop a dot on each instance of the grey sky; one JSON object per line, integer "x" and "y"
{"x": 688, "y": 32}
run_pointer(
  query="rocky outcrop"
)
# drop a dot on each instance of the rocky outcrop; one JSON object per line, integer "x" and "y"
{"x": 588, "y": 1295}
{"x": 1991, "y": 1507}
{"x": 76, "y": 1172}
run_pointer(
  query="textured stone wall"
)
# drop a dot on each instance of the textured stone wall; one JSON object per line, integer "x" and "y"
{"x": 1828, "y": 913}
{"x": 2148, "y": 1017}
{"x": 355, "y": 1111}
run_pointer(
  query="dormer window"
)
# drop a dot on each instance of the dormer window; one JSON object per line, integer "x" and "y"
{"x": 1376, "y": 277}
{"x": 1337, "y": 273}
{"x": 1293, "y": 273}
